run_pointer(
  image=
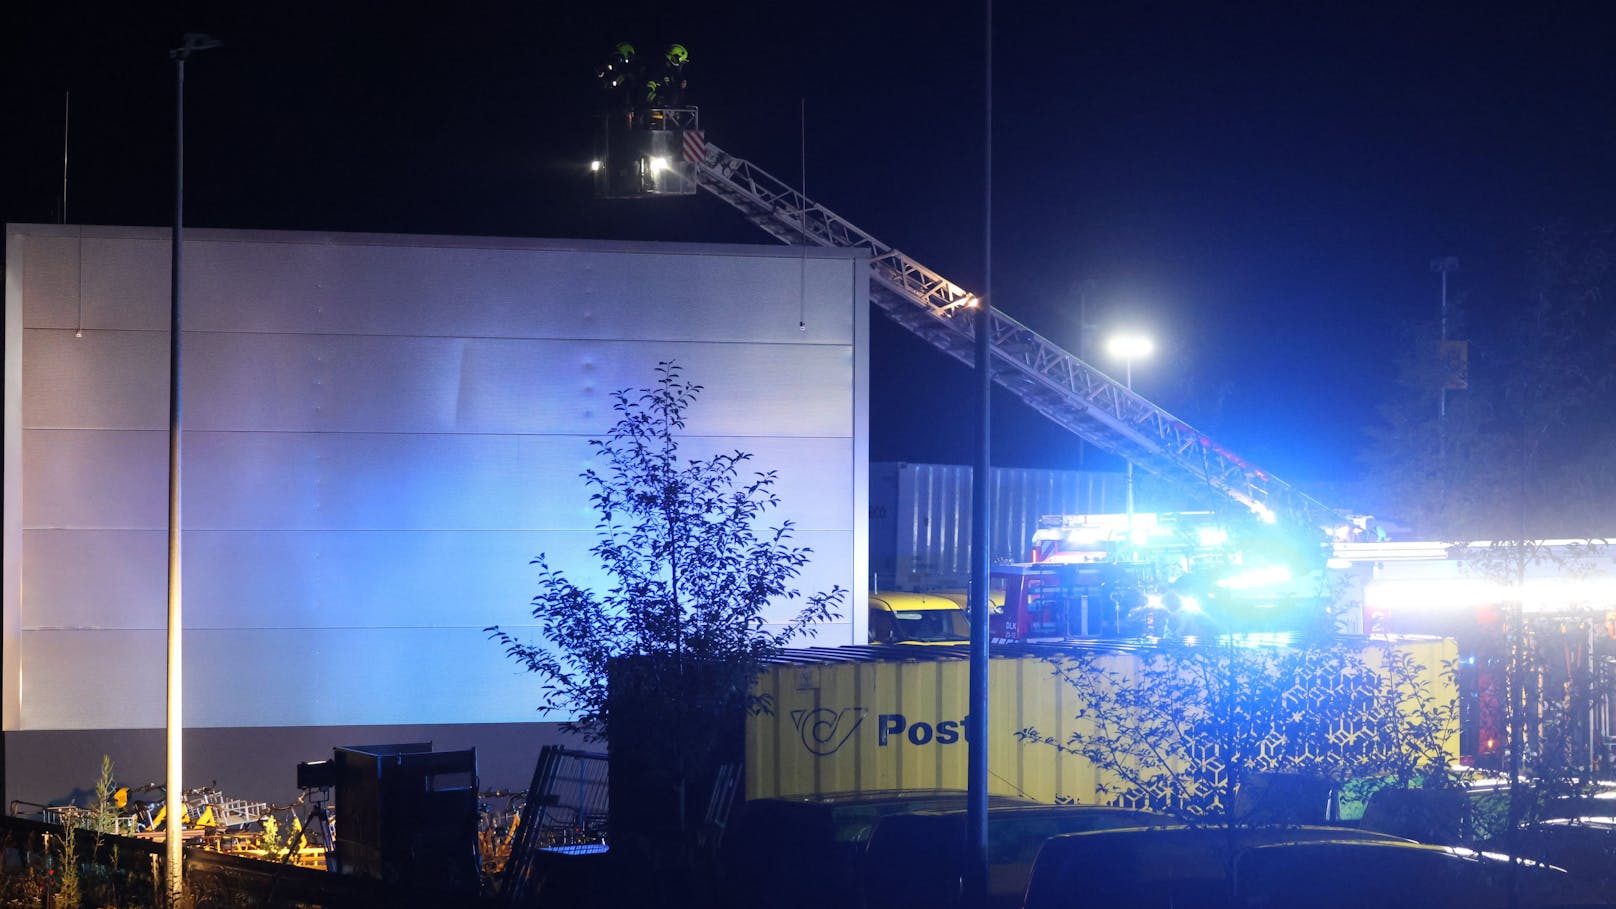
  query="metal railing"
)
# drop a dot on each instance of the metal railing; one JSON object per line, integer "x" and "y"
{"x": 565, "y": 809}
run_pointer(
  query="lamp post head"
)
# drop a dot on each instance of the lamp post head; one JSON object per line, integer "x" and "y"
{"x": 1129, "y": 347}
{"x": 193, "y": 42}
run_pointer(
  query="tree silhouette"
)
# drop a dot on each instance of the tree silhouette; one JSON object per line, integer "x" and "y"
{"x": 1179, "y": 728}
{"x": 676, "y": 642}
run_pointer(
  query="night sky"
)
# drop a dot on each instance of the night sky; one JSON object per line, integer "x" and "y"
{"x": 1261, "y": 187}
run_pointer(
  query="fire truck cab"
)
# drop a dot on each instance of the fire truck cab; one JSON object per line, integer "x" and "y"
{"x": 1152, "y": 575}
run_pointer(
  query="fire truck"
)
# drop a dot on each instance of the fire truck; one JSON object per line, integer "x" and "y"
{"x": 1185, "y": 574}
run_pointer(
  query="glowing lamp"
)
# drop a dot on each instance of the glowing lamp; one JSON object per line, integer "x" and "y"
{"x": 1129, "y": 347}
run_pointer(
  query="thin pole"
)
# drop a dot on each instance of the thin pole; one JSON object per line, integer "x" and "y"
{"x": 1128, "y": 371}
{"x": 67, "y": 120}
{"x": 174, "y": 786}
{"x": 1442, "y": 267}
{"x": 976, "y": 868}
{"x": 802, "y": 213}
{"x": 1590, "y": 691}
{"x": 1442, "y": 405}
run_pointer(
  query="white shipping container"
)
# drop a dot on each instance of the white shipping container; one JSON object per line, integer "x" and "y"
{"x": 920, "y": 517}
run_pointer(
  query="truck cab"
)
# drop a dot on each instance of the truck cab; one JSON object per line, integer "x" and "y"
{"x": 1056, "y": 601}
{"x": 1060, "y": 600}
{"x": 1046, "y": 601}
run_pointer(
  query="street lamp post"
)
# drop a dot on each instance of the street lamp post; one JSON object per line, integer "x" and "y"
{"x": 975, "y": 878}
{"x": 1129, "y": 348}
{"x": 174, "y": 789}
{"x": 1443, "y": 266}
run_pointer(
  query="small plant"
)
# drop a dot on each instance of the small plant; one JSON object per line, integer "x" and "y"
{"x": 68, "y": 892}
{"x": 104, "y": 812}
{"x": 269, "y": 836}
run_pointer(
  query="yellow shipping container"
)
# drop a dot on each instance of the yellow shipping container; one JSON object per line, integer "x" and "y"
{"x": 867, "y": 719}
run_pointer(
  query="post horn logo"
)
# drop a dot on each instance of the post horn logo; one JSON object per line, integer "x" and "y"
{"x": 824, "y": 730}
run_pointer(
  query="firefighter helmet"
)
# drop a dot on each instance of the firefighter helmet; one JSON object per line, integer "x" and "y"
{"x": 677, "y": 55}
{"x": 625, "y": 50}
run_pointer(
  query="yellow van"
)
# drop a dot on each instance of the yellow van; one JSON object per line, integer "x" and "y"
{"x": 963, "y": 596}
{"x": 917, "y": 618}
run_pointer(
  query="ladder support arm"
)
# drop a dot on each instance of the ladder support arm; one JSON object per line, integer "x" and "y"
{"x": 1074, "y": 394}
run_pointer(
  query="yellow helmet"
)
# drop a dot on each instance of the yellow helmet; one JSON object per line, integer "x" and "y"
{"x": 677, "y": 55}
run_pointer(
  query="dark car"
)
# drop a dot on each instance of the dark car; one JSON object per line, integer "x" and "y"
{"x": 917, "y": 861}
{"x": 1584, "y": 846}
{"x": 1158, "y": 868}
{"x": 804, "y": 851}
{"x": 1354, "y": 875}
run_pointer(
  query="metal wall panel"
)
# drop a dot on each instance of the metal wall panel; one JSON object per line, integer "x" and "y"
{"x": 375, "y": 481}
{"x": 506, "y": 293}
{"x": 934, "y": 508}
{"x": 291, "y": 283}
{"x": 381, "y": 432}
{"x": 274, "y": 677}
{"x": 47, "y": 289}
{"x": 308, "y": 580}
{"x": 345, "y": 383}
{"x": 104, "y": 380}
{"x": 125, "y": 567}
{"x": 93, "y": 479}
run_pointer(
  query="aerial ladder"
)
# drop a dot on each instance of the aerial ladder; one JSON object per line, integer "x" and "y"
{"x": 675, "y": 158}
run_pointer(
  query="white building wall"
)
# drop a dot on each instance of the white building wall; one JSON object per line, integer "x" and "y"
{"x": 381, "y": 432}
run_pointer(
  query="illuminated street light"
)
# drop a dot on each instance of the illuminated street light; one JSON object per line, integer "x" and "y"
{"x": 1129, "y": 348}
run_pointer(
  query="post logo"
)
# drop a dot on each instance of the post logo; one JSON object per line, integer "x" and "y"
{"x": 895, "y": 727}
{"x": 824, "y": 730}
